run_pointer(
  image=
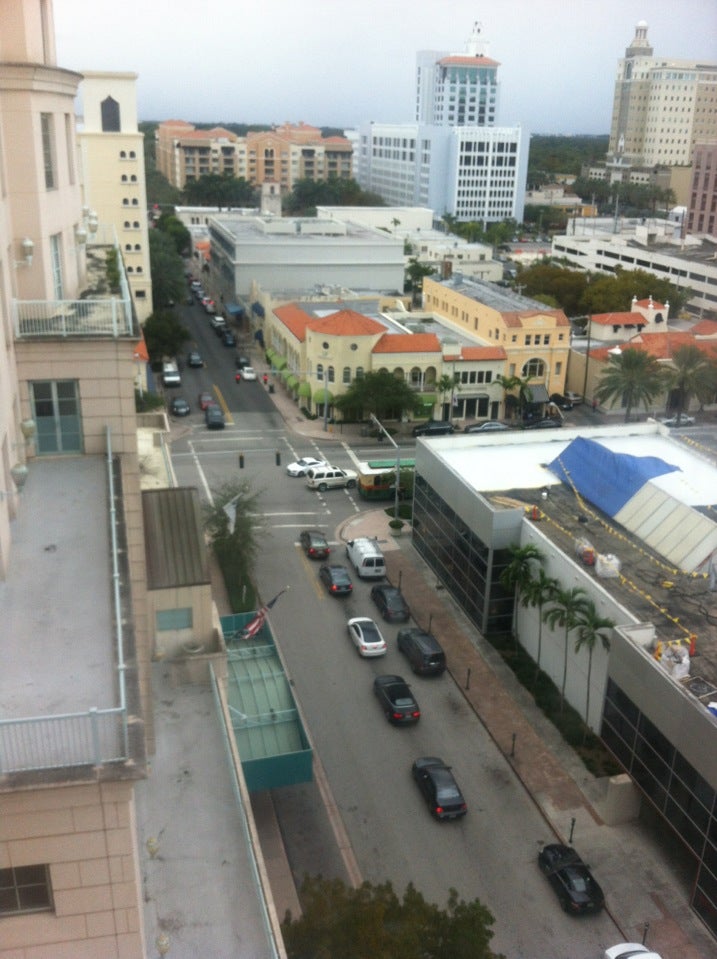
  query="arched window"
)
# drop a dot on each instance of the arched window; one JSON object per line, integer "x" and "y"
{"x": 127, "y": 224}
{"x": 128, "y": 246}
{"x": 415, "y": 377}
{"x": 533, "y": 368}
{"x": 110, "y": 111}
{"x": 359, "y": 372}
{"x": 132, "y": 155}
{"x": 136, "y": 224}
{"x": 331, "y": 374}
{"x": 319, "y": 371}
{"x": 125, "y": 201}
{"x": 124, "y": 177}
{"x": 139, "y": 269}
{"x": 133, "y": 178}
{"x": 130, "y": 269}
{"x": 138, "y": 246}
{"x": 135, "y": 202}
{"x": 347, "y": 374}
{"x": 123, "y": 155}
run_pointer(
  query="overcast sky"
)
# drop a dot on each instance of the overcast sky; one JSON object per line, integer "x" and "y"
{"x": 339, "y": 63}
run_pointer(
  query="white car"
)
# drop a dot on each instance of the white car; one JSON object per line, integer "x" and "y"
{"x": 366, "y": 636}
{"x": 248, "y": 373}
{"x": 300, "y": 467}
{"x": 685, "y": 420}
{"x": 626, "y": 950}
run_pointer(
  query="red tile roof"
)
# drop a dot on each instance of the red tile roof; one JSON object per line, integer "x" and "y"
{"x": 482, "y": 353}
{"x": 618, "y": 319}
{"x": 650, "y": 302}
{"x": 519, "y": 318}
{"x": 463, "y": 61}
{"x": 294, "y": 319}
{"x": 661, "y": 346}
{"x": 347, "y": 323}
{"x": 408, "y": 343}
{"x": 705, "y": 328}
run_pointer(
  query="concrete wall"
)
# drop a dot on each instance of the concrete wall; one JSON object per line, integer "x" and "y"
{"x": 169, "y": 643}
{"x": 87, "y": 836}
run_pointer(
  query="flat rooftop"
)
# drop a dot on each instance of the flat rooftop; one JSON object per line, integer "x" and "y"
{"x": 56, "y": 603}
{"x": 490, "y": 294}
{"x": 510, "y": 470}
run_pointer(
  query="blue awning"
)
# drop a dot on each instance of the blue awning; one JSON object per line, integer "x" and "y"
{"x": 235, "y": 309}
{"x": 258, "y": 309}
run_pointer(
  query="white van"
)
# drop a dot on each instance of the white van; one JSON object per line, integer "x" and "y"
{"x": 366, "y": 558}
{"x": 170, "y": 375}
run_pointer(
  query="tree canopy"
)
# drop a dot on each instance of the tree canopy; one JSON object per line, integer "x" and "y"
{"x": 164, "y": 335}
{"x": 378, "y": 392}
{"x": 558, "y": 154}
{"x": 372, "y": 921}
{"x": 174, "y": 228}
{"x": 633, "y": 378}
{"x": 167, "y": 269}
{"x": 216, "y": 189}
{"x": 336, "y": 191}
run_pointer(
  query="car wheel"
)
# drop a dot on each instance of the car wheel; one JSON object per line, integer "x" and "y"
{"x": 322, "y": 487}
{"x": 350, "y": 484}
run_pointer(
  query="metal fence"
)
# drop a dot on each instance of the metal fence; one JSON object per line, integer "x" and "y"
{"x": 91, "y": 738}
{"x": 103, "y": 317}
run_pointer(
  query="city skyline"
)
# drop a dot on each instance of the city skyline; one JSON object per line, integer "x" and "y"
{"x": 341, "y": 70}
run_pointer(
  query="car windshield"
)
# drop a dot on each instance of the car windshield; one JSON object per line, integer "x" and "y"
{"x": 340, "y": 576}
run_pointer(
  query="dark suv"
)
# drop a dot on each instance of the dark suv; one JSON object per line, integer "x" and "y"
{"x": 434, "y": 428}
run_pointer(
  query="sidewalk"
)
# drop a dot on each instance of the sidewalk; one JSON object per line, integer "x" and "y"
{"x": 647, "y": 894}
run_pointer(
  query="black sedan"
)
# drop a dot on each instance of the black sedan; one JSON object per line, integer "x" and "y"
{"x": 571, "y": 879}
{"x": 396, "y": 699}
{"x": 179, "y": 407}
{"x": 336, "y": 579}
{"x": 562, "y": 402}
{"x": 439, "y": 788}
{"x": 390, "y": 602}
{"x": 314, "y": 544}
{"x": 490, "y": 426}
{"x": 194, "y": 359}
{"x": 546, "y": 424}
{"x": 214, "y": 417}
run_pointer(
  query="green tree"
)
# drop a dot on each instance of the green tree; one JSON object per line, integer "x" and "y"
{"x": 380, "y": 393}
{"x": 518, "y": 393}
{"x": 415, "y": 272}
{"x": 233, "y": 524}
{"x": 610, "y": 294}
{"x": 447, "y": 385}
{"x": 338, "y": 920}
{"x": 167, "y": 269}
{"x": 632, "y": 378}
{"x": 215, "y": 189}
{"x": 536, "y": 592}
{"x": 567, "y": 611}
{"x": 174, "y": 228}
{"x": 336, "y": 191}
{"x": 565, "y": 287}
{"x": 691, "y": 374}
{"x": 518, "y": 573}
{"x": 164, "y": 335}
{"x": 591, "y": 629}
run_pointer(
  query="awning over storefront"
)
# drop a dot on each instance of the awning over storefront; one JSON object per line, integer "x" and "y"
{"x": 234, "y": 309}
{"x": 292, "y": 381}
{"x": 280, "y": 362}
{"x": 285, "y": 374}
{"x": 258, "y": 309}
{"x": 304, "y": 390}
{"x": 271, "y": 355}
{"x": 428, "y": 399}
{"x": 322, "y": 395}
{"x": 538, "y": 393}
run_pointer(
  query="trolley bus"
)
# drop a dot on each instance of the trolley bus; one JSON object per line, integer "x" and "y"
{"x": 377, "y": 479}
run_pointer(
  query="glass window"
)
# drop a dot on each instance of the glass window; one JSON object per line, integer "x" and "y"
{"x": 347, "y": 374}
{"x": 330, "y": 376}
{"x": 25, "y": 889}
{"x": 174, "y": 619}
{"x": 110, "y": 111}
{"x": 48, "y": 149}
{"x": 319, "y": 371}
{"x": 56, "y": 263}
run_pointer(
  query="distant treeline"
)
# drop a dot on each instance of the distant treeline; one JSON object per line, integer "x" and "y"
{"x": 562, "y": 154}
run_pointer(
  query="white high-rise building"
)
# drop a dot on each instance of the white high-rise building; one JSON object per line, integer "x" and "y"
{"x": 453, "y": 159}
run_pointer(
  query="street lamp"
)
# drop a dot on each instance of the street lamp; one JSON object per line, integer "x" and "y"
{"x": 379, "y": 426}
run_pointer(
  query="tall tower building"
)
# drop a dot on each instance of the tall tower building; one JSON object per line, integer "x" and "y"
{"x": 661, "y": 107}
{"x": 458, "y": 89}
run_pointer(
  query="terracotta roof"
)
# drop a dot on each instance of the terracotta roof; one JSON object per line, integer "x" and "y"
{"x": 347, "y": 323}
{"x": 408, "y": 343}
{"x": 519, "y": 318}
{"x": 294, "y": 319}
{"x": 140, "y": 351}
{"x": 618, "y": 319}
{"x": 215, "y": 133}
{"x": 661, "y": 346}
{"x": 463, "y": 61}
{"x": 482, "y": 353}
{"x": 650, "y": 302}
{"x": 705, "y": 328}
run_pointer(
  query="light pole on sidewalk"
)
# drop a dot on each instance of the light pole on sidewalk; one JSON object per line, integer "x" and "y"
{"x": 379, "y": 426}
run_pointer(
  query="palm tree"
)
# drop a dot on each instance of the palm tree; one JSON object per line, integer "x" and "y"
{"x": 511, "y": 384}
{"x": 590, "y": 628}
{"x": 518, "y": 573}
{"x": 569, "y": 606}
{"x": 447, "y": 384}
{"x": 691, "y": 374}
{"x": 536, "y": 593}
{"x": 633, "y": 377}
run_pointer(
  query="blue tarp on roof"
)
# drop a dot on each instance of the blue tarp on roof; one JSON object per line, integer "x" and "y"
{"x": 234, "y": 309}
{"x": 606, "y": 479}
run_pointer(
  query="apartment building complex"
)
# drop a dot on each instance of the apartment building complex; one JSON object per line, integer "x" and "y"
{"x": 283, "y": 155}
{"x": 453, "y": 158}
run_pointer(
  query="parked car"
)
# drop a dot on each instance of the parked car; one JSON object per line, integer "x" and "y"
{"x": 562, "y": 402}
{"x": 314, "y": 544}
{"x": 214, "y": 418}
{"x": 209, "y": 306}
{"x": 366, "y": 636}
{"x": 396, "y": 699}
{"x": 194, "y": 359}
{"x": 390, "y": 602}
{"x": 228, "y": 339}
{"x": 179, "y": 407}
{"x": 684, "y": 420}
{"x": 490, "y": 426}
{"x": 422, "y": 650}
{"x": 439, "y": 788}
{"x": 434, "y": 428}
{"x": 574, "y": 884}
{"x": 546, "y": 424}
{"x": 626, "y": 950}
{"x": 248, "y": 373}
{"x": 300, "y": 467}
{"x": 574, "y": 398}
{"x": 242, "y": 361}
{"x": 206, "y": 399}
{"x": 336, "y": 579}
